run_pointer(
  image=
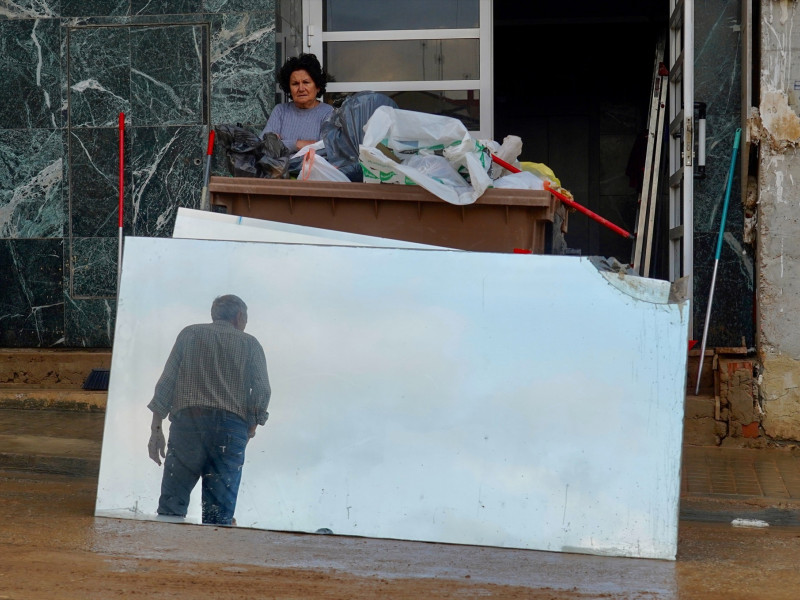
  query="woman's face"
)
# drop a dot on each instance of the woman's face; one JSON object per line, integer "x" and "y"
{"x": 304, "y": 90}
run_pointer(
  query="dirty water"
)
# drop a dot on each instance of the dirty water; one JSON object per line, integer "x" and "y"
{"x": 51, "y": 546}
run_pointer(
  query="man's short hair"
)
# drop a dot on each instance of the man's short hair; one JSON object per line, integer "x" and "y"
{"x": 227, "y": 308}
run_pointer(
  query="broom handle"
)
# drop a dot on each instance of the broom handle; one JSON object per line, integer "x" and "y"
{"x": 558, "y": 193}
{"x": 204, "y": 204}
{"x": 121, "y": 192}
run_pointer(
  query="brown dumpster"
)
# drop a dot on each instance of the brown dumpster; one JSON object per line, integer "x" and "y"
{"x": 501, "y": 220}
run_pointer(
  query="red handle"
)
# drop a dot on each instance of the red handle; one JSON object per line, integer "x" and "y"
{"x": 210, "y": 150}
{"x": 562, "y": 195}
{"x": 121, "y": 164}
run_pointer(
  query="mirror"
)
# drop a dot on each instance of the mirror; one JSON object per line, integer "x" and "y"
{"x": 523, "y": 401}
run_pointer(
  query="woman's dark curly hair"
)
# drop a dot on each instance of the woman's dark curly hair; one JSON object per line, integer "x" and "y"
{"x": 305, "y": 62}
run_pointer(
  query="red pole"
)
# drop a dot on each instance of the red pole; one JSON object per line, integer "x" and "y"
{"x": 204, "y": 205}
{"x": 563, "y": 195}
{"x": 121, "y": 163}
{"x": 121, "y": 192}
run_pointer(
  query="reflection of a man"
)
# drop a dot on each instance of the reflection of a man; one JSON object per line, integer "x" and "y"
{"x": 215, "y": 390}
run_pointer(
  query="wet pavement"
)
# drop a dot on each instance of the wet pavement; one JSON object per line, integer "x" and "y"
{"x": 739, "y": 537}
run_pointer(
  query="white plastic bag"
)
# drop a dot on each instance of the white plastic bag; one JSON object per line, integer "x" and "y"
{"x": 437, "y": 167}
{"x": 509, "y": 152}
{"x": 407, "y": 133}
{"x": 317, "y": 168}
{"x": 524, "y": 180}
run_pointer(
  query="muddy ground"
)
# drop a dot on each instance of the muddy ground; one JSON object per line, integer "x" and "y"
{"x": 52, "y": 547}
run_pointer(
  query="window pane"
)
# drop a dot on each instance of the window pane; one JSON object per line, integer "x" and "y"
{"x": 463, "y": 105}
{"x": 403, "y": 60}
{"x": 383, "y": 15}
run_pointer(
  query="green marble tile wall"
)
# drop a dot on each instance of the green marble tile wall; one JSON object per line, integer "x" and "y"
{"x": 174, "y": 68}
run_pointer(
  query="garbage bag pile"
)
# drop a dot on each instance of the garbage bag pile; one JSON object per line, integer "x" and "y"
{"x": 439, "y": 154}
{"x": 342, "y": 133}
{"x": 368, "y": 138}
{"x": 248, "y": 155}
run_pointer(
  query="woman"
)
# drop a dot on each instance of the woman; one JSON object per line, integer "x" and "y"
{"x": 297, "y": 123}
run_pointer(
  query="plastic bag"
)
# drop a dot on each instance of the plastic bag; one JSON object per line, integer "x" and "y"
{"x": 247, "y": 155}
{"x": 343, "y": 130}
{"x": 509, "y": 152}
{"x": 317, "y": 168}
{"x": 437, "y": 167}
{"x": 541, "y": 170}
{"x": 404, "y": 133}
{"x": 523, "y": 180}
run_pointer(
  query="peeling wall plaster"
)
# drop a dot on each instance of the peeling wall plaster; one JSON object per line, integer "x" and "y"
{"x": 780, "y": 125}
{"x": 775, "y": 127}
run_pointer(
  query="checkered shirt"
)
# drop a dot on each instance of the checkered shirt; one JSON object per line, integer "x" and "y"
{"x": 215, "y": 365}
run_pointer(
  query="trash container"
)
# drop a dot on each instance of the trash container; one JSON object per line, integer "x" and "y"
{"x": 501, "y": 220}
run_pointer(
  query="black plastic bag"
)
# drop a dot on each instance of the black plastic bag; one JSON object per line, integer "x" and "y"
{"x": 247, "y": 155}
{"x": 343, "y": 131}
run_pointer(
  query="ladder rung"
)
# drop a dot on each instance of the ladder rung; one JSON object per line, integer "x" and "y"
{"x": 676, "y": 70}
{"x": 676, "y": 233}
{"x": 676, "y": 18}
{"x": 676, "y": 125}
{"x": 676, "y": 178}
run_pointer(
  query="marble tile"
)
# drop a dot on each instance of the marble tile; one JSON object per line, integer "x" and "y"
{"x": 93, "y": 266}
{"x": 167, "y": 172}
{"x": 89, "y": 323}
{"x": 99, "y": 75}
{"x": 167, "y": 74}
{"x": 31, "y": 183}
{"x": 165, "y": 7}
{"x": 31, "y": 301}
{"x": 21, "y": 9}
{"x": 710, "y": 190}
{"x": 732, "y": 304}
{"x": 236, "y": 6}
{"x": 94, "y": 181}
{"x": 172, "y": 67}
{"x": 31, "y": 65}
{"x": 242, "y": 68}
{"x": 94, "y": 8}
{"x": 717, "y": 83}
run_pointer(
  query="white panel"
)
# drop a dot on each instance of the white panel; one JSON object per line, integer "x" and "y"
{"x": 473, "y": 398}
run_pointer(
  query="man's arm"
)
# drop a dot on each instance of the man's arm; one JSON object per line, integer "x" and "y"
{"x": 260, "y": 390}
{"x": 157, "y": 445}
{"x": 162, "y": 400}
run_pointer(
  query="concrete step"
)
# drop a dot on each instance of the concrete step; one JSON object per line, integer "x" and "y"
{"x": 63, "y": 397}
{"x": 51, "y": 367}
{"x": 66, "y": 442}
{"x": 701, "y": 426}
{"x": 706, "y": 376}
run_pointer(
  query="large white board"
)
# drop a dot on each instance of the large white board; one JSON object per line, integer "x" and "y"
{"x": 522, "y": 401}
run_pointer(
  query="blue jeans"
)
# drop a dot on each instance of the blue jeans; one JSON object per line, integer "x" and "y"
{"x": 205, "y": 444}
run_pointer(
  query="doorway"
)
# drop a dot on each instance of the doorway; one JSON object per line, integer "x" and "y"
{"x": 573, "y": 80}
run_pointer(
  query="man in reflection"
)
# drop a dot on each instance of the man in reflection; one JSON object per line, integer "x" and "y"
{"x": 215, "y": 391}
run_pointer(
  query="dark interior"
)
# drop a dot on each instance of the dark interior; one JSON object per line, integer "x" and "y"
{"x": 573, "y": 80}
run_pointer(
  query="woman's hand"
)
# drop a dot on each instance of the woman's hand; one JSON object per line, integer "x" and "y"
{"x": 304, "y": 143}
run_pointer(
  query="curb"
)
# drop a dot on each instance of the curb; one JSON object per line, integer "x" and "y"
{"x": 53, "y": 399}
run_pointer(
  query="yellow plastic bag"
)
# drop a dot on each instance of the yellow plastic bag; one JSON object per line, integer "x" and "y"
{"x": 541, "y": 170}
